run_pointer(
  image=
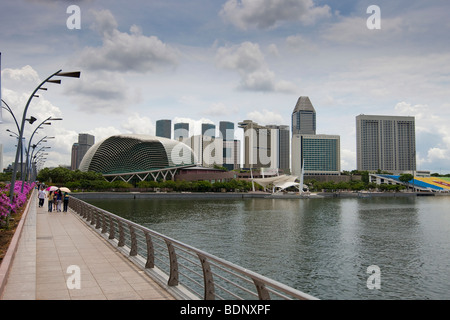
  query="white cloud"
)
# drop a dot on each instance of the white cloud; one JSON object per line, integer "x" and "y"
{"x": 264, "y": 14}
{"x": 248, "y": 60}
{"x": 126, "y": 52}
{"x": 353, "y": 30}
{"x": 102, "y": 92}
{"x": 266, "y": 117}
{"x": 138, "y": 124}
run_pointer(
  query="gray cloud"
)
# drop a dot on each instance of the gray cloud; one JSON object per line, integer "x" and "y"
{"x": 264, "y": 14}
{"x": 125, "y": 52}
{"x": 248, "y": 60}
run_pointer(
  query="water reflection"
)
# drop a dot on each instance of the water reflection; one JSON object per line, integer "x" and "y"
{"x": 320, "y": 246}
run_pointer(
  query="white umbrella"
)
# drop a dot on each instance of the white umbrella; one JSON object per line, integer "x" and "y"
{"x": 64, "y": 189}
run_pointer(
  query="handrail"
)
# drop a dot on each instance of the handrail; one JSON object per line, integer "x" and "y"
{"x": 215, "y": 274}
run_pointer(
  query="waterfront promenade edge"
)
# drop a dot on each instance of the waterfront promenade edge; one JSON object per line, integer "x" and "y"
{"x": 46, "y": 251}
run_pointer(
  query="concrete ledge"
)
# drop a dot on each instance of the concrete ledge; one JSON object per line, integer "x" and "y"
{"x": 6, "y": 264}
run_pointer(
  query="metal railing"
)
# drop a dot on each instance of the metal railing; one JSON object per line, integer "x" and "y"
{"x": 194, "y": 273}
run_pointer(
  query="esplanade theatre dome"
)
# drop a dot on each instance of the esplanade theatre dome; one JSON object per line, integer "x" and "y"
{"x": 132, "y": 153}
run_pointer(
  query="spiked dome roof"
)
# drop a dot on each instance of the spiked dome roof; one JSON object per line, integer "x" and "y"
{"x": 136, "y": 153}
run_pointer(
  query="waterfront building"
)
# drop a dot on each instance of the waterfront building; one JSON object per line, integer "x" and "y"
{"x": 319, "y": 154}
{"x": 257, "y": 145}
{"x": 226, "y": 130}
{"x": 164, "y": 128}
{"x": 231, "y": 147}
{"x": 304, "y": 117}
{"x": 208, "y": 150}
{"x": 281, "y": 140}
{"x": 137, "y": 157}
{"x": 232, "y": 154}
{"x": 385, "y": 143}
{"x": 180, "y": 131}
{"x": 209, "y": 129}
{"x": 85, "y": 142}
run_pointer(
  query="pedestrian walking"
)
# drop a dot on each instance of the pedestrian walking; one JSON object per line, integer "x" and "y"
{"x": 50, "y": 201}
{"x": 66, "y": 201}
{"x": 59, "y": 199}
{"x": 41, "y": 197}
{"x": 55, "y": 199}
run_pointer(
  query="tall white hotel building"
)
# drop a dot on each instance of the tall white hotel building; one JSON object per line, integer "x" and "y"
{"x": 385, "y": 143}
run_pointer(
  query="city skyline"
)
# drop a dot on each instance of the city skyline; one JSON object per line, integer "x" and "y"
{"x": 227, "y": 60}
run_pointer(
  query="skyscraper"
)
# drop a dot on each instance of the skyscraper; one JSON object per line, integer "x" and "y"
{"x": 180, "y": 131}
{"x": 209, "y": 129}
{"x": 304, "y": 117}
{"x": 226, "y": 130}
{"x": 281, "y": 141}
{"x": 85, "y": 141}
{"x": 230, "y": 156}
{"x": 257, "y": 145}
{"x": 385, "y": 143}
{"x": 164, "y": 128}
{"x": 319, "y": 153}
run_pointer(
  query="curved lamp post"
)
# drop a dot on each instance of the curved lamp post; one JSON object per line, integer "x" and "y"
{"x": 45, "y": 122}
{"x": 49, "y": 79}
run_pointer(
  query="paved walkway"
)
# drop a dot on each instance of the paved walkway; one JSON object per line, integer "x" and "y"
{"x": 52, "y": 242}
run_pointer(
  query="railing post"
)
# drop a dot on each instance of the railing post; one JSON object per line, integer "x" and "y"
{"x": 98, "y": 222}
{"x": 173, "y": 277}
{"x": 150, "y": 251}
{"x": 93, "y": 216}
{"x": 112, "y": 230}
{"x": 208, "y": 279}
{"x": 133, "y": 250}
{"x": 121, "y": 235}
{"x": 263, "y": 293}
{"x": 104, "y": 226}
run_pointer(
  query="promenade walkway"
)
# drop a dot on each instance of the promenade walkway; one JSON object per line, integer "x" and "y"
{"x": 51, "y": 242}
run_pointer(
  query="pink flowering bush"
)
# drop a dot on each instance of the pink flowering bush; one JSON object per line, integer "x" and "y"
{"x": 19, "y": 200}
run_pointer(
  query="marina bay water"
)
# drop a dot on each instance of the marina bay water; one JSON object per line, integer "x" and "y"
{"x": 323, "y": 247}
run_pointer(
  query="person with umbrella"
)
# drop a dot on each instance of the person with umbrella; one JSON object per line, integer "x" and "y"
{"x": 58, "y": 200}
{"x": 66, "y": 201}
{"x": 65, "y": 197}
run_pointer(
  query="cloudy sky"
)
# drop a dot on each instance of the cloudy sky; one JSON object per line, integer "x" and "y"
{"x": 212, "y": 60}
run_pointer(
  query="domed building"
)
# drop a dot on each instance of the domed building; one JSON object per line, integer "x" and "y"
{"x": 137, "y": 156}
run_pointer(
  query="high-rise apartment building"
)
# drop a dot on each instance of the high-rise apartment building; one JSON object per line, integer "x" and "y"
{"x": 319, "y": 153}
{"x": 180, "y": 131}
{"x": 386, "y": 143}
{"x": 85, "y": 141}
{"x": 164, "y": 128}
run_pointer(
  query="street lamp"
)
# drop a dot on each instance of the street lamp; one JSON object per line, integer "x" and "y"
{"x": 45, "y": 122}
{"x": 49, "y": 79}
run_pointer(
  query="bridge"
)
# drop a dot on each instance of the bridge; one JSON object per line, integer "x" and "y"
{"x": 89, "y": 254}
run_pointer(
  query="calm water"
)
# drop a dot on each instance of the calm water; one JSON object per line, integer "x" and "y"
{"x": 320, "y": 246}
